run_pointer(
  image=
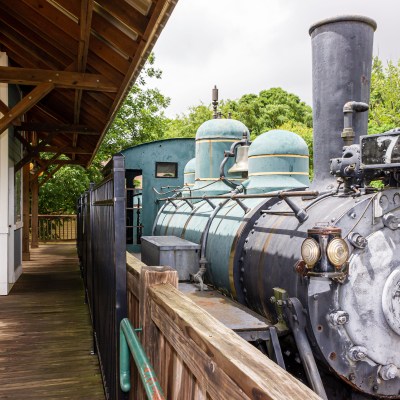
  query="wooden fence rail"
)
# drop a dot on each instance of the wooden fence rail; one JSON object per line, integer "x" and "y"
{"x": 194, "y": 355}
{"x": 55, "y": 228}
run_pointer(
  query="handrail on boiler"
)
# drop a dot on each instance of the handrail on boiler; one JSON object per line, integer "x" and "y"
{"x": 130, "y": 342}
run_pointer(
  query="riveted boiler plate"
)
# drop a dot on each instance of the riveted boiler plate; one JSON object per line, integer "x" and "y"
{"x": 391, "y": 301}
{"x": 374, "y": 278}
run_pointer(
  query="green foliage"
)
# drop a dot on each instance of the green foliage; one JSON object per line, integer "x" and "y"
{"x": 268, "y": 110}
{"x": 187, "y": 125}
{"x": 384, "y": 113}
{"x": 59, "y": 194}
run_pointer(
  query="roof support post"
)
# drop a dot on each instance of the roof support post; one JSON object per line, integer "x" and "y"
{"x": 35, "y": 212}
{"x": 25, "y": 213}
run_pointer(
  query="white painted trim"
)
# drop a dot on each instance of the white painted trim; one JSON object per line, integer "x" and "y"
{"x": 11, "y": 218}
{"x": 4, "y": 193}
{"x": 16, "y": 274}
{"x": 3, "y": 289}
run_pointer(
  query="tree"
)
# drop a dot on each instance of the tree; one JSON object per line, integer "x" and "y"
{"x": 187, "y": 125}
{"x": 60, "y": 193}
{"x": 384, "y": 113}
{"x": 268, "y": 110}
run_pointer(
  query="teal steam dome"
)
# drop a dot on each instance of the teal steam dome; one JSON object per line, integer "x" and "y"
{"x": 188, "y": 173}
{"x": 221, "y": 128}
{"x": 213, "y": 138}
{"x": 278, "y": 160}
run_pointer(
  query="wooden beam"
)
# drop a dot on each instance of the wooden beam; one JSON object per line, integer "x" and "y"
{"x": 4, "y": 109}
{"x": 85, "y": 22}
{"x": 23, "y": 161}
{"x": 25, "y": 214}
{"x": 25, "y": 104}
{"x": 46, "y": 164}
{"x": 56, "y": 128}
{"x": 49, "y": 176}
{"x": 60, "y": 79}
{"x": 68, "y": 162}
{"x": 35, "y": 212}
{"x": 24, "y": 141}
{"x": 124, "y": 12}
{"x": 33, "y": 151}
{"x": 34, "y": 204}
{"x": 64, "y": 150}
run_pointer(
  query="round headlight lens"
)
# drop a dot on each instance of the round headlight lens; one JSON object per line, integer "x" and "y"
{"x": 338, "y": 252}
{"x": 310, "y": 252}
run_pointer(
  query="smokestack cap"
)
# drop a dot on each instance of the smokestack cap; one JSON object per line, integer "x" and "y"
{"x": 343, "y": 18}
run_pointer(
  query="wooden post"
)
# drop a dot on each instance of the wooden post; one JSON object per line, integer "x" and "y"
{"x": 25, "y": 213}
{"x": 35, "y": 208}
{"x": 149, "y": 337}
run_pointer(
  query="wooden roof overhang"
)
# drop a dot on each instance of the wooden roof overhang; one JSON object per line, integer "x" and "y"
{"x": 74, "y": 61}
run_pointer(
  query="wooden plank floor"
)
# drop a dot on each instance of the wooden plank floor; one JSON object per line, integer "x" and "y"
{"x": 45, "y": 333}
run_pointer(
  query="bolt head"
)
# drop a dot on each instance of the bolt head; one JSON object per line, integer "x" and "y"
{"x": 339, "y": 317}
{"x": 388, "y": 372}
{"x": 357, "y": 353}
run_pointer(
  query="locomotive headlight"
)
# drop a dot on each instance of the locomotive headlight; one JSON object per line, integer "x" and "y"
{"x": 310, "y": 252}
{"x": 338, "y": 252}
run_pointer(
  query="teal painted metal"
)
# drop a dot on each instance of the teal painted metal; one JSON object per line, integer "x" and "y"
{"x": 143, "y": 158}
{"x": 189, "y": 177}
{"x": 188, "y": 224}
{"x": 272, "y": 152}
{"x": 213, "y": 138}
{"x": 130, "y": 342}
{"x": 278, "y": 160}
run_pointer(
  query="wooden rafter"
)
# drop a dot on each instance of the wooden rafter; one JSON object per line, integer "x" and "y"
{"x": 33, "y": 151}
{"x": 85, "y": 22}
{"x": 49, "y": 175}
{"x": 126, "y": 14}
{"x": 96, "y": 46}
{"x": 25, "y": 105}
{"x": 56, "y": 128}
{"x": 67, "y": 162}
{"x": 4, "y": 109}
{"x": 44, "y": 167}
{"x": 65, "y": 150}
{"x": 60, "y": 79}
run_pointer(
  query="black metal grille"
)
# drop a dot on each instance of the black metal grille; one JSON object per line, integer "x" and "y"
{"x": 101, "y": 248}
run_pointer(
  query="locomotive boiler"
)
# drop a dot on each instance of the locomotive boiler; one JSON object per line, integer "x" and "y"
{"x": 319, "y": 260}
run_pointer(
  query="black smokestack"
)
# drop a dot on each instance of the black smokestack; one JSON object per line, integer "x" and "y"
{"x": 341, "y": 72}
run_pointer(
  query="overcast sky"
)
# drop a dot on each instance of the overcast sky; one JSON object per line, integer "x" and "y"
{"x": 245, "y": 46}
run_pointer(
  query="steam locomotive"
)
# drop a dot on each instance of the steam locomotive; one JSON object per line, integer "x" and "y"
{"x": 319, "y": 260}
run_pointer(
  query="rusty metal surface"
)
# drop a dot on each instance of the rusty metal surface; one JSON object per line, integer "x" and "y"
{"x": 232, "y": 314}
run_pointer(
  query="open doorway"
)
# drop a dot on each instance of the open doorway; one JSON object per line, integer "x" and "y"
{"x": 134, "y": 188}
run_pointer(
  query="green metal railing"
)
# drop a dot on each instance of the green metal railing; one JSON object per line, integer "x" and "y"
{"x": 130, "y": 342}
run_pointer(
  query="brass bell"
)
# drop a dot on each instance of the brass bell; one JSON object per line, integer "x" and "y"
{"x": 242, "y": 160}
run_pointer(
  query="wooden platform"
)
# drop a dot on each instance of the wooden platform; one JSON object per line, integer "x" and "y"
{"x": 45, "y": 333}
